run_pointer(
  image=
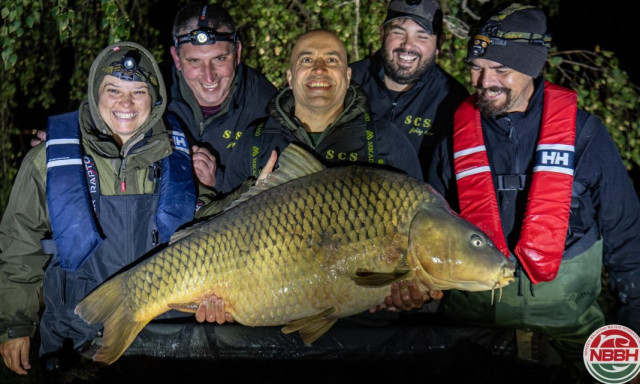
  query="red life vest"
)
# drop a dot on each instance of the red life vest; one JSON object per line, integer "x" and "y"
{"x": 543, "y": 234}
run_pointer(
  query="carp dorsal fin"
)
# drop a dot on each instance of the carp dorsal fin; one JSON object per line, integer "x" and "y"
{"x": 184, "y": 232}
{"x": 379, "y": 279}
{"x": 294, "y": 162}
{"x": 312, "y": 327}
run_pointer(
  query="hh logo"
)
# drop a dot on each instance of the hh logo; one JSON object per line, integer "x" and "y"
{"x": 555, "y": 158}
{"x": 178, "y": 141}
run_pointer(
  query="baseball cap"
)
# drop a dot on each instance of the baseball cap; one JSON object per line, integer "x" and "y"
{"x": 427, "y": 13}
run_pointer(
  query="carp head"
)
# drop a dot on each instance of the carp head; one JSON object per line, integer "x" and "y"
{"x": 448, "y": 252}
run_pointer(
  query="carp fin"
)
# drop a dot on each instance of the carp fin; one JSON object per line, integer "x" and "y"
{"x": 185, "y": 307}
{"x": 312, "y": 327}
{"x": 366, "y": 278}
{"x": 187, "y": 231}
{"x": 294, "y": 162}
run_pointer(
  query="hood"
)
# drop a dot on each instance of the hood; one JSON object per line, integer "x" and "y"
{"x": 151, "y": 74}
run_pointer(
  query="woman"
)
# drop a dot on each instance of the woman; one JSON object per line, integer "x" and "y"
{"x": 111, "y": 183}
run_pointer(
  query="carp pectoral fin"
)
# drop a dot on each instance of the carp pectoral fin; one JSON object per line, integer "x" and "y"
{"x": 379, "y": 279}
{"x": 314, "y": 330}
{"x": 312, "y": 327}
{"x": 185, "y": 307}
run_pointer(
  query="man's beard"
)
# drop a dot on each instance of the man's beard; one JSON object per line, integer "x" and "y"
{"x": 402, "y": 75}
{"x": 491, "y": 108}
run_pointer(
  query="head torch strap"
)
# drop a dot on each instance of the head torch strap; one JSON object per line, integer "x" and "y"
{"x": 524, "y": 37}
{"x": 482, "y": 40}
{"x": 202, "y": 20}
{"x": 202, "y": 36}
{"x": 493, "y": 32}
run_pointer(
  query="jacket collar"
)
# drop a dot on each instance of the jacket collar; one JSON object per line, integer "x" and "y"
{"x": 282, "y": 107}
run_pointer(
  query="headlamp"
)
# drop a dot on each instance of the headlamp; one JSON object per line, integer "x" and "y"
{"x": 491, "y": 35}
{"x": 204, "y": 36}
{"x": 128, "y": 69}
{"x": 129, "y": 63}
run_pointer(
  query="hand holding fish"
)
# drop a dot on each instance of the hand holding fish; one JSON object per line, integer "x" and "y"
{"x": 309, "y": 246}
{"x": 211, "y": 310}
{"x": 405, "y": 296}
{"x": 268, "y": 168}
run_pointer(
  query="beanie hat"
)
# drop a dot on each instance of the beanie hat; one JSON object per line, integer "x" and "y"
{"x": 427, "y": 13}
{"x": 515, "y": 37}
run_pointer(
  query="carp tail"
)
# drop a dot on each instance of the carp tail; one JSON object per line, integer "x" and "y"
{"x": 106, "y": 305}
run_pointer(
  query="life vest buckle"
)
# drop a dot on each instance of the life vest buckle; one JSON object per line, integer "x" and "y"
{"x": 511, "y": 182}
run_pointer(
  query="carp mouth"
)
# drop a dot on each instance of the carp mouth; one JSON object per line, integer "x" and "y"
{"x": 506, "y": 278}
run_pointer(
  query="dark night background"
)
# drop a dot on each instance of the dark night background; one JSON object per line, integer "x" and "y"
{"x": 613, "y": 25}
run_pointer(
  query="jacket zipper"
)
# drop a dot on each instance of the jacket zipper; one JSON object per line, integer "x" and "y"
{"x": 123, "y": 184}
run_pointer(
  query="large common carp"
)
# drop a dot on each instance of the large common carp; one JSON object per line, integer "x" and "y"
{"x": 314, "y": 245}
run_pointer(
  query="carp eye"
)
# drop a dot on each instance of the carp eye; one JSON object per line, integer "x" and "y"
{"x": 477, "y": 241}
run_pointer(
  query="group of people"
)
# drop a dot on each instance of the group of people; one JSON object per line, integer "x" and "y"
{"x": 517, "y": 158}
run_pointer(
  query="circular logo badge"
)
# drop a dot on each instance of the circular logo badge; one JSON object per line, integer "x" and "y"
{"x": 612, "y": 354}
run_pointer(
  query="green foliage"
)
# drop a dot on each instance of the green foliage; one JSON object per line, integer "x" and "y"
{"x": 269, "y": 31}
{"x": 48, "y": 46}
{"x": 606, "y": 91}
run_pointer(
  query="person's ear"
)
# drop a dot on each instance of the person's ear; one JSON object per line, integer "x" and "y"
{"x": 439, "y": 42}
{"x": 238, "y": 52}
{"x": 289, "y": 77}
{"x": 176, "y": 58}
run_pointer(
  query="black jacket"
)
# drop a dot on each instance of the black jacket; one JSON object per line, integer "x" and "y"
{"x": 349, "y": 139}
{"x": 250, "y": 94}
{"x": 424, "y": 112}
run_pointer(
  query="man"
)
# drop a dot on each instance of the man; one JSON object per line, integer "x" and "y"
{"x": 214, "y": 95}
{"x": 545, "y": 181}
{"x": 405, "y": 85}
{"x": 323, "y": 111}
{"x": 402, "y": 80}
